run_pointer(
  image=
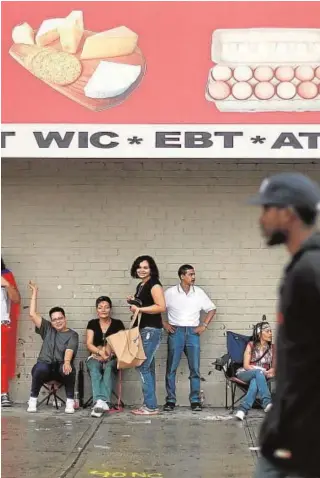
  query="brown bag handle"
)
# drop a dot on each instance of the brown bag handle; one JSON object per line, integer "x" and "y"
{"x": 136, "y": 315}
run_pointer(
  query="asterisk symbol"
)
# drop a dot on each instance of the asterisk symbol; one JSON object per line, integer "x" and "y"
{"x": 258, "y": 140}
{"x": 135, "y": 140}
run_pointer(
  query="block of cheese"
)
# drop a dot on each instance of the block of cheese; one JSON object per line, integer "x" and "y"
{"x": 71, "y": 31}
{"x": 118, "y": 41}
{"x": 48, "y": 31}
{"x": 111, "y": 79}
{"x": 23, "y": 34}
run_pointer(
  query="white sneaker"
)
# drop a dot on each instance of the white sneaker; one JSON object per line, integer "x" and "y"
{"x": 240, "y": 415}
{"x": 32, "y": 405}
{"x": 95, "y": 413}
{"x": 103, "y": 405}
{"x": 69, "y": 406}
{"x": 99, "y": 408}
{"x": 268, "y": 407}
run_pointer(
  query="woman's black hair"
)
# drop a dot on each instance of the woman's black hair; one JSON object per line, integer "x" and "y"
{"x": 103, "y": 298}
{"x": 154, "y": 271}
{"x": 257, "y": 329}
{"x": 3, "y": 266}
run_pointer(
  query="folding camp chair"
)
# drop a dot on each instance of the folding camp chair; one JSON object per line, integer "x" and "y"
{"x": 119, "y": 405}
{"x": 53, "y": 386}
{"x": 229, "y": 364}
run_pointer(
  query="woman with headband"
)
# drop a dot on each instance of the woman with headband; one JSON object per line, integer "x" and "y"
{"x": 258, "y": 368}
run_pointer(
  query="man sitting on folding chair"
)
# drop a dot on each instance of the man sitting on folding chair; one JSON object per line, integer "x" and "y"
{"x": 59, "y": 348}
{"x": 258, "y": 368}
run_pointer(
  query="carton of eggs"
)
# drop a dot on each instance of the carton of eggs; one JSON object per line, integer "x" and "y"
{"x": 263, "y": 70}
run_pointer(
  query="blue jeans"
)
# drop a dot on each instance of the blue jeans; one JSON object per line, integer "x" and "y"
{"x": 151, "y": 339}
{"x": 102, "y": 379}
{"x": 257, "y": 386}
{"x": 184, "y": 339}
{"x": 265, "y": 469}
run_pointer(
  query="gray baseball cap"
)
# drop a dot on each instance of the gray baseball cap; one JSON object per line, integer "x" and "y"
{"x": 288, "y": 189}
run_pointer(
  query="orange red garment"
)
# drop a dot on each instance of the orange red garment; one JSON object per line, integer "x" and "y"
{"x": 9, "y": 339}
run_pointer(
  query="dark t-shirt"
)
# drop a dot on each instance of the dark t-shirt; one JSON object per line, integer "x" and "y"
{"x": 56, "y": 343}
{"x": 98, "y": 336}
{"x": 143, "y": 293}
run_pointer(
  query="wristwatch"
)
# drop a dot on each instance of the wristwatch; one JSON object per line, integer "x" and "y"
{"x": 205, "y": 325}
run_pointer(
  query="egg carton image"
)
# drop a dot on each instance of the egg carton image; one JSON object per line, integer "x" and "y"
{"x": 265, "y": 69}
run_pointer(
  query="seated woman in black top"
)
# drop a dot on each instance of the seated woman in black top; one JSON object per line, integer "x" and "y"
{"x": 102, "y": 364}
{"x": 150, "y": 293}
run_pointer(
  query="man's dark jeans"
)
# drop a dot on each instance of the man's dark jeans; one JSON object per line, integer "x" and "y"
{"x": 45, "y": 372}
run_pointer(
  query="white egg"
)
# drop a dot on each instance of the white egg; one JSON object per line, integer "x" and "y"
{"x": 219, "y": 90}
{"x": 307, "y": 90}
{"x": 286, "y": 90}
{"x": 264, "y": 90}
{"x": 221, "y": 73}
{"x": 284, "y": 73}
{"x": 243, "y": 73}
{"x": 263, "y": 73}
{"x": 242, "y": 90}
{"x": 304, "y": 73}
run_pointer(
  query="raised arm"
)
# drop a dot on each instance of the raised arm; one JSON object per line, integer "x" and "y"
{"x": 33, "y": 314}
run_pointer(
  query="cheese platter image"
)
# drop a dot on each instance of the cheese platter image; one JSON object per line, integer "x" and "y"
{"x": 97, "y": 70}
{"x": 265, "y": 70}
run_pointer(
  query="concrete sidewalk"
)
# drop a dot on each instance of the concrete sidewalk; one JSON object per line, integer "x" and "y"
{"x": 196, "y": 445}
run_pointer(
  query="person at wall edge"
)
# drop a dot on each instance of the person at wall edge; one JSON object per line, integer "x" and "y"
{"x": 10, "y": 311}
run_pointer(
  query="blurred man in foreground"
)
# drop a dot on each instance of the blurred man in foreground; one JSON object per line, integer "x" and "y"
{"x": 289, "y": 437}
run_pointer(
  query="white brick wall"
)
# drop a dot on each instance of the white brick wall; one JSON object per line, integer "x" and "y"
{"x": 79, "y": 225}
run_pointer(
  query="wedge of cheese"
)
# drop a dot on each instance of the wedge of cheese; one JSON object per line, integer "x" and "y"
{"x": 116, "y": 42}
{"x": 111, "y": 79}
{"x": 23, "y": 34}
{"x": 48, "y": 31}
{"x": 71, "y": 31}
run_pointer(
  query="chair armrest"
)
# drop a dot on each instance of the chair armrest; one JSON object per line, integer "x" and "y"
{"x": 221, "y": 362}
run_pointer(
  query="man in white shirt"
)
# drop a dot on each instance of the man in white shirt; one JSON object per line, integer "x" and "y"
{"x": 185, "y": 302}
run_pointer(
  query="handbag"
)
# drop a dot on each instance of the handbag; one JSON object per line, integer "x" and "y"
{"x": 127, "y": 345}
{"x": 135, "y": 301}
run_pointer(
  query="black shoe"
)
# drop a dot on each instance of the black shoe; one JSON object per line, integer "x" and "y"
{"x": 5, "y": 400}
{"x": 196, "y": 407}
{"x": 169, "y": 407}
